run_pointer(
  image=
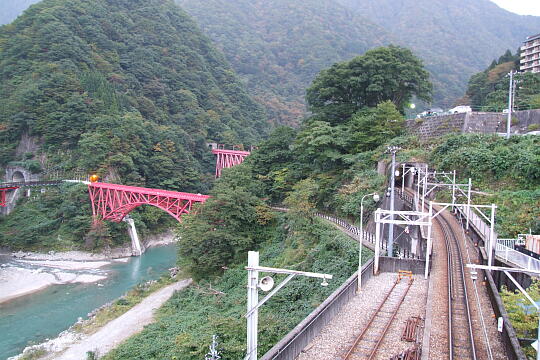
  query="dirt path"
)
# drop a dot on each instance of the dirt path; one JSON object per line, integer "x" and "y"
{"x": 121, "y": 328}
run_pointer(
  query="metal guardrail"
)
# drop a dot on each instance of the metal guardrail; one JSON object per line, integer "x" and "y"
{"x": 517, "y": 258}
{"x": 296, "y": 340}
{"x": 354, "y": 232}
{"x": 511, "y": 243}
{"x": 31, "y": 183}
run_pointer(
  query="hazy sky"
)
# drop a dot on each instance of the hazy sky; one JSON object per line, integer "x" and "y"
{"x": 522, "y": 7}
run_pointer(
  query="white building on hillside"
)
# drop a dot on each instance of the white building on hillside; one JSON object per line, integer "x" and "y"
{"x": 530, "y": 54}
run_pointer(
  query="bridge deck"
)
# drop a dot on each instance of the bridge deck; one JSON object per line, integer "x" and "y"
{"x": 148, "y": 191}
{"x": 14, "y": 185}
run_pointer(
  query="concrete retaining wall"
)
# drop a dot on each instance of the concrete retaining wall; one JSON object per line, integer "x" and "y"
{"x": 483, "y": 122}
{"x": 525, "y": 119}
{"x": 475, "y": 122}
{"x": 393, "y": 265}
{"x": 436, "y": 126}
{"x": 295, "y": 341}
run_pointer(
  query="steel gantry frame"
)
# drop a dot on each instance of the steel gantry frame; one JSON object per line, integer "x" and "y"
{"x": 113, "y": 202}
{"x": 428, "y": 181}
{"x": 426, "y": 219}
{"x": 490, "y": 246}
{"x": 400, "y": 218}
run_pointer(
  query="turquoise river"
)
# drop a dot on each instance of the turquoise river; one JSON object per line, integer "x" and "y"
{"x": 43, "y": 315}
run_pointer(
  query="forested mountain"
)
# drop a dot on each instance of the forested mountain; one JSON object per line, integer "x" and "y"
{"x": 488, "y": 90}
{"x": 10, "y": 9}
{"x": 130, "y": 89}
{"x": 278, "y": 46}
{"x": 134, "y": 84}
{"x": 455, "y": 38}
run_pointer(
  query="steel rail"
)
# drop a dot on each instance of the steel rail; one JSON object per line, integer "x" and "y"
{"x": 376, "y": 313}
{"x": 449, "y": 236}
{"x": 456, "y": 278}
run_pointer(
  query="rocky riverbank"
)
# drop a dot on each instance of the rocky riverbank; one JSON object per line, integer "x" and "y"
{"x": 28, "y": 272}
{"x": 72, "y": 344}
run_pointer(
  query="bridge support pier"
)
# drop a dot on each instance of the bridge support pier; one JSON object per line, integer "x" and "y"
{"x": 137, "y": 249}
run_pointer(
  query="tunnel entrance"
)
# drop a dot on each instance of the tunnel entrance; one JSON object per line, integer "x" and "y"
{"x": 18, "y": 177}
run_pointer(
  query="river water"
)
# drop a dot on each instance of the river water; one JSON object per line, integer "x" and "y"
{"x": 34, "y": 318}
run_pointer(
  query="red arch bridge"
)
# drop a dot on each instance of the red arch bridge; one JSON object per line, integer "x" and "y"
{"x": 113, "y": 202}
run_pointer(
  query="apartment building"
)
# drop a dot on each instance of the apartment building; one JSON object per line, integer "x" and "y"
{"x": 530, "y": 54}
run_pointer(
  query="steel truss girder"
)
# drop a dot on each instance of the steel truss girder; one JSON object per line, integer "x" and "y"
{"x": 113, "y": 202}
{"x": 228, "y": 158}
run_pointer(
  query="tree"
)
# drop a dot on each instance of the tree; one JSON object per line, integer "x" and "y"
{"x": 321, "y": 145}
{"x": 226, "y": 226}
{"x": 372, "y": 127}
{"x": 386, "y": 73}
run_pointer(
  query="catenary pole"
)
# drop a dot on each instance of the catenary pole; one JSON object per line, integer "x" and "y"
{"x": 510, "y": 95}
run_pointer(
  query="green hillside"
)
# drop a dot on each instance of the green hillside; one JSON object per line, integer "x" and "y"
{"x": 455, "y": 38}
{"x": 488, "y": 89}
{"x": 278, "y": 47}
{"x": 134, "y": 83}
{"x": 129, "y": 89}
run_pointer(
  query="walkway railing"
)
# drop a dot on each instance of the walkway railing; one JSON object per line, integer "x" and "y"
{"x": 517, "y": 258}
{"x": 354, "y": 232}
{"x": 505, "y": 248}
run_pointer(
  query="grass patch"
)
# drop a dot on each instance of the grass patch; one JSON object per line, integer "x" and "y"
{"x": 186, "y": 323}
{"x": 121, "y": 305}
{"x": 34, "y": 354}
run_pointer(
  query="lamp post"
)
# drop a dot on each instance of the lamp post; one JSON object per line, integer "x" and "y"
{"x": 393, "y": 150}
{"x": 375, "y": 198}
{"x": 265, "y": 284}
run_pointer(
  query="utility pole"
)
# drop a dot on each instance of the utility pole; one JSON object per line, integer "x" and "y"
{"x": 510, "y": 101}
{"x": 392, "y": 150}
{"x": 265, "y": 284}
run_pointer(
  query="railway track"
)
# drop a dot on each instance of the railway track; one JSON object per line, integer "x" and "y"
{"x": 460, "y": 331}
{"x": 366, "y": 344}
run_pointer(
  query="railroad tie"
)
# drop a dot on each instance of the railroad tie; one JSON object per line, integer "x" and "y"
{"x": 410, "y": 333}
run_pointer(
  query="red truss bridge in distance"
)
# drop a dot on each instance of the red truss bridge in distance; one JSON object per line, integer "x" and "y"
{"x": 226, "y": 158}
{"x": 3, "y": 191}
{"x": 113, "y": 202}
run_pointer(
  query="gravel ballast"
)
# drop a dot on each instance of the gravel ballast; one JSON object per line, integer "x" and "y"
{"x": 336, "y": 338}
